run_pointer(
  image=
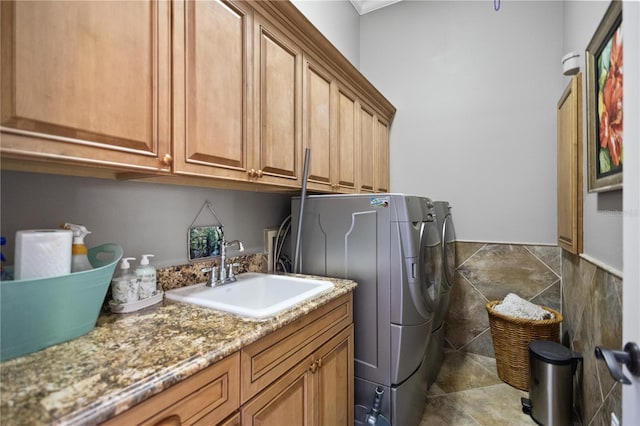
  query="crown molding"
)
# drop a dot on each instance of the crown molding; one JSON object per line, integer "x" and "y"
{"x": 366, "y": 6}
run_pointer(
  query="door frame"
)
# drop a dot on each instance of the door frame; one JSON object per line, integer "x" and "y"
{"x": 631, "y": 202}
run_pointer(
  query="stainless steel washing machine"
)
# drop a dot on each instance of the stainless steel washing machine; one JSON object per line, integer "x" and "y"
{"x": 390, "y": 245}
{"x": 435, "y": 350}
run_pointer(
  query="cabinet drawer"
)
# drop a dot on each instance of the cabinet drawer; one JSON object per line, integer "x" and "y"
{"x": 267, "y": 359}
{"x": 212, "y": 393}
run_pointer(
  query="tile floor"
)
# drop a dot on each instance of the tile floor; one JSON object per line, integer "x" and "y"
{"x": 469, "y": 392}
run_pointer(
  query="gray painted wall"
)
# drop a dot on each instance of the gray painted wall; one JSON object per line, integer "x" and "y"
{"x": 476, "y": 92}
{"x": 141, "y": 217}
{"x": 478, "y": 98}
{"x": 338, "y": 21}
{"x": 602, "y": 211}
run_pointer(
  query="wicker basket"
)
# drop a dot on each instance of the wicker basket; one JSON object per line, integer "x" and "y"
{"x": 511, "y": 338}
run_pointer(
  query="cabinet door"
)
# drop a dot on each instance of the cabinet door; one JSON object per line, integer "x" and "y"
{"x": 213, "y": 93}
{"x": 278, "y": 105}
{"x": 329, "y": 120}
{"x": 317, "y": 118}
{"x": 569, "y": 142}
{"x": 317, "y": 391}
{"x": 367, "y": 150}
{"x": 381, "y": 177}
{"x": 346, "y": 142}
{"x": 87, "y": 81}
{"x": 286, "y": 402}
{"x": 334, "y": 381}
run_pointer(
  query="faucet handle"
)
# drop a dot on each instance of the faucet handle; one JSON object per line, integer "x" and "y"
{"x": 213, "y": 273}
{"x": 232, "y": 276}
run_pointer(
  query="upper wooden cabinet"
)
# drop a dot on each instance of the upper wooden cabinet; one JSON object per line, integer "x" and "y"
{"x": 226, "y": 90}
{"x": 367, "y": 149}
{"x": 569, "y": 130}
{"x": 346, "y": 141}
{"x": 87, "y": 82}
{"x": 381, "y": 166}
{"x": 317, "y": 122}
{"x": 374, "y": 152}
{"x": 237, "y": 90}
{"x": 278, "y": 105}
{"x": 212, "y": 88}
{"x": 329, "y": 116}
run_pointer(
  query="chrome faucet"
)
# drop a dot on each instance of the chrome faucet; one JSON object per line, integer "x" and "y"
{"x": 219, "y": 275}
{"x": 224, "y": 277}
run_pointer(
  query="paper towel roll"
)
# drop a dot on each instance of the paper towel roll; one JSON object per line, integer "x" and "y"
{"x": 42, "y": 253}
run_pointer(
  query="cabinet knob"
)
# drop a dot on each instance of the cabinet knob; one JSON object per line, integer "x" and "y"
{"x": 319, "y": 362}
{"x": 251, "y": 173}
{"x": 314, "y": 367}
{"x": 167, "y": 160}
{"x": 259, "y": 173}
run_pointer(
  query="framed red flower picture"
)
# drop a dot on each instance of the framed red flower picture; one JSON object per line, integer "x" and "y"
{"x": 604, "y": 102}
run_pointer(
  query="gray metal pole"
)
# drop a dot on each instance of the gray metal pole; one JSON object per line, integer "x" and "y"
{"x": 305, "y": 176}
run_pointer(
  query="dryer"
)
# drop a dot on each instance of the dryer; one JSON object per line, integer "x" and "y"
{"x": 390, "y": 245}
{"x": 435, "y": 350}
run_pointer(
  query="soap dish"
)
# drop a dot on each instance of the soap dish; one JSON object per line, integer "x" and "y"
{"x": 123, "y": 308}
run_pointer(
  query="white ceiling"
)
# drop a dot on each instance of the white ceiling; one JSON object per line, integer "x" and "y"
{"x": 366, "y": 6}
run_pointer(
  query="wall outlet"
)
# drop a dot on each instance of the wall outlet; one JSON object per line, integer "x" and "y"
{"x": 614, "y": 420}
{"x": 269, "y": 246}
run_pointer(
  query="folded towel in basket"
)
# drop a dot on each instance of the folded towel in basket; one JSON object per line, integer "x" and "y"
{"x": 515, "y": 306}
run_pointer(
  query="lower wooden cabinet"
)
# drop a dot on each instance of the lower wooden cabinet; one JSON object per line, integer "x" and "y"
{"x": 301, "y": 374}
{"x": 206, "y": 398}
{"x": 318, "y": 391}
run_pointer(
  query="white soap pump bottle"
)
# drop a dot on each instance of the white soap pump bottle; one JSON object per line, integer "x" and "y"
{"x": 124, "y": 284}
{"x": 79, "y": 260}
{"x": 146, "y": 274}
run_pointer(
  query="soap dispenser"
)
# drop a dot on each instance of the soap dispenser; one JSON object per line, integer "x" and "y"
{"x": 79, "y": 260}
{"x": 124, "y": 284}
{"x": 146, "y": 274}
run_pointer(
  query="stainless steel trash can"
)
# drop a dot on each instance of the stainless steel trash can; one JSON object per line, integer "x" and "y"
{"x": 551, "y": 368}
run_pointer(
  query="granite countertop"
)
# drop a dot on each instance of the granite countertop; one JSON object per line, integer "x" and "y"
{"x": 128, "y": 358}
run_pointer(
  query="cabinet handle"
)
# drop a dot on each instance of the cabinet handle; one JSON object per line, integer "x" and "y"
{"x": 167, "y": 160}
{"x": 319, "y": 362}
{"x": 255, "y": 173}
{"x": 172, "y": 420}
{"x": 314, "y": 367}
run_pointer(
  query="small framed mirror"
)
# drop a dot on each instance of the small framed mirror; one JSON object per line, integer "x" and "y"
{"x": 204, "y": 241}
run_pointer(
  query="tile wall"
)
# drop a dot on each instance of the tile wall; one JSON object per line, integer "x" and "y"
{"x": 487, "y": 272}
{"x": 589, "y": 298}
{"x": 592, "y": 310}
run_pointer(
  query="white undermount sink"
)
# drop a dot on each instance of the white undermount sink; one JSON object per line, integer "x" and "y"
{"x": 253, "y": 295}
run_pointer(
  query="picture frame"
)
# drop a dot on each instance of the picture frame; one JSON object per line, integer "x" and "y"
{"x": 204, "y": 241}
{"x": 603, "y": 57}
